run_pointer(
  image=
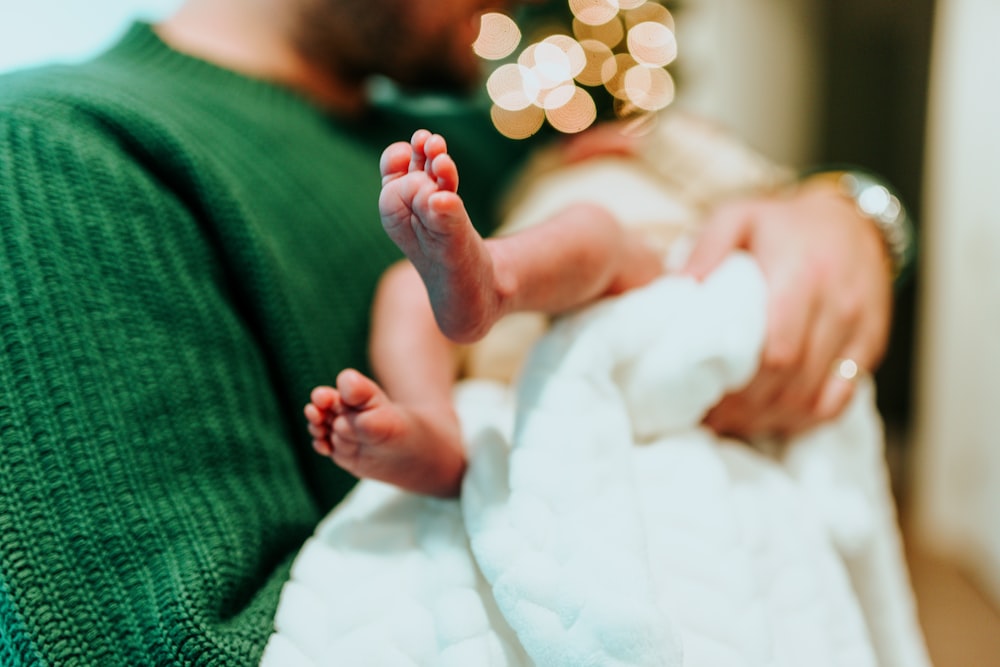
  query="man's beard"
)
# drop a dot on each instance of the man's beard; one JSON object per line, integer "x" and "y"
{"x": 378, "y": 43}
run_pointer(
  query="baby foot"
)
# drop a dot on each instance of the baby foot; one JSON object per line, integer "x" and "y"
{"x": 370, "y": 436}
{"x": 423, "y": 214}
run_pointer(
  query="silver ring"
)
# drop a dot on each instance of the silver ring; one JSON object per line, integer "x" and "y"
{"x": 846, "y": 369}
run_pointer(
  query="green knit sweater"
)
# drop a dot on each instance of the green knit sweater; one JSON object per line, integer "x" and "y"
{"x": 184, "y": 253}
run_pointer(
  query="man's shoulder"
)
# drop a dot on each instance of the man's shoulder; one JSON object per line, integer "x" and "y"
{"x": 58, "y": 118}
{"x": 106, "y": 104}
{"x": 54, "y": 94}
{"x": 21, "y": 90}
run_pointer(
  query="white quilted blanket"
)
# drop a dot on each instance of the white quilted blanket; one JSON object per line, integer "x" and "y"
{"x": 600, "y": 525}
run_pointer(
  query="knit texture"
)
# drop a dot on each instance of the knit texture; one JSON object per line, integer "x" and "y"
{"x": 184, "y": 253}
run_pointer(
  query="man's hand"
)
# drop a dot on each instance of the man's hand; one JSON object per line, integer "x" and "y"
{"x": 608, "y": 138}
{"x": 829, "y": 290}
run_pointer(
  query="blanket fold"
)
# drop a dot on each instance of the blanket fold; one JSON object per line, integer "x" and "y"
{"x": 600, "y": 524}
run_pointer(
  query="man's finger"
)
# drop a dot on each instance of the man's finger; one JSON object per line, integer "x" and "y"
{"x": 727, "y": 230}
{"x": 730, "y": 417}
{"x": 836, "y": 393}
{"x": 800, "y": 395}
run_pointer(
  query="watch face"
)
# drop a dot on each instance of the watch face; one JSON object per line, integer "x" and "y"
{"x": 876, "y": 202}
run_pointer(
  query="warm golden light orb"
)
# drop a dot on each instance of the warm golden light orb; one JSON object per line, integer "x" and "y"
{"x": 649, "y": 88}
{"x": 649, "y": 11}
{"x": 549, "y": 63}
{"x": 610, "y": 33}
{"x": 652, "y": 43}
{"x": 595, "y": 72}
{"x": 576, "y": 115}
{"x": 518, "y": 124}
{"x": 574, "y": 52}
{"x": 614, "y": 72}
{"x": 512, "y": 87}
{"x": 498, "y": 36}
{"x": 594, "y": 12}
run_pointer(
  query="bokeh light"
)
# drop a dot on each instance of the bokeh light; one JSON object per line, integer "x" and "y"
{"x": 559, "y": 96}
{"x": 594, "y": 12}
{"x": 498, "y": 36}
{"x": 610, "y": 33}
{"x": 574, "y": 52}
{"x": 614, "y": 70}
{"x": 649, "y": 11}
{"x": 550, "y": 64}
{"x": 652, "y": 44}
{"x": 576, "y": 115}
{"x": 519, "y": 124}
{"x": 513, "y": 87}
{"x": 618, "y": 48}
{"x": 649, "y": 88}
{"x": 597, "y": 53}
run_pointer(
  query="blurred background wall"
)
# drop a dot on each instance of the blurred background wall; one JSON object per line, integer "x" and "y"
{"x": 910, "y": 90}
{"x": 752, "y": 65}
{"x": 35, "y": 31}
{"x": 958, "y": 456}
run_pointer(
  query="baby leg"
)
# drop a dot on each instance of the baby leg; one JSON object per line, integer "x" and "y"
{"x": 422, "y": 212}
{"x": 579, "y": 254}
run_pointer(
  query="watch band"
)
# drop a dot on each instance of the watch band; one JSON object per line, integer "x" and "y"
{"x": 876, "y": 201}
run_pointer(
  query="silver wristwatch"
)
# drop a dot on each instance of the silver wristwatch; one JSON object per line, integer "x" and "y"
{"x": 876, "y": 202}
